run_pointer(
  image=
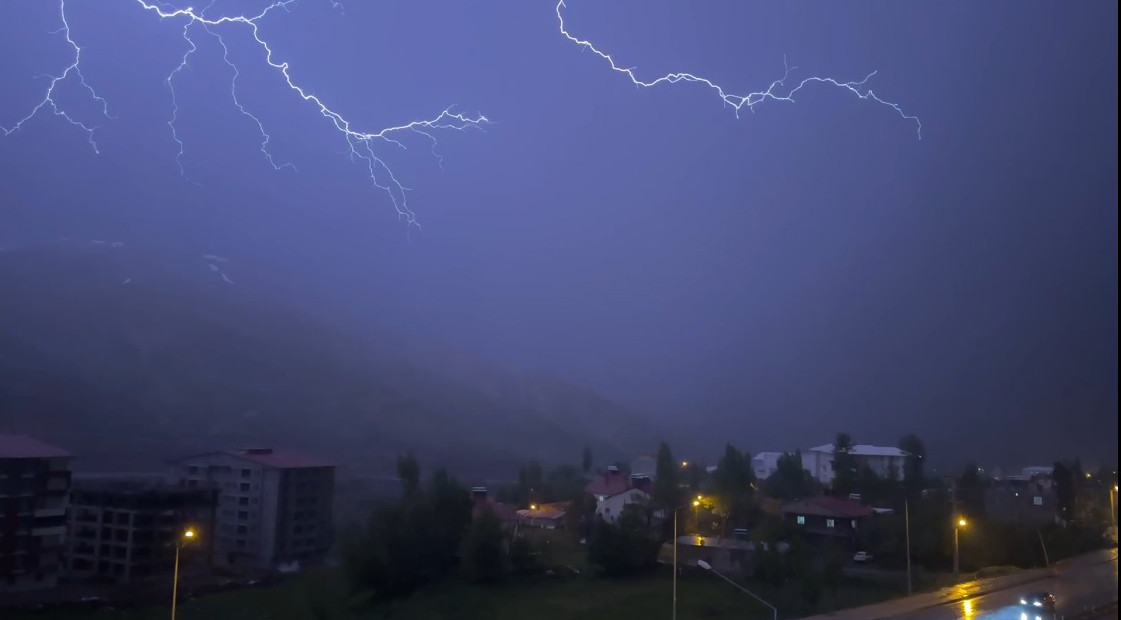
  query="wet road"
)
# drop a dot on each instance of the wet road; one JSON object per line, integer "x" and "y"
{"x": 1075, "y": 589}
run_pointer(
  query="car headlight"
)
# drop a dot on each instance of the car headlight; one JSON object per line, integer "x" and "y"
{"x": 1037, "y": 603}
{"x": 1024, "y": 616}
{"x": 1023, "y": 601}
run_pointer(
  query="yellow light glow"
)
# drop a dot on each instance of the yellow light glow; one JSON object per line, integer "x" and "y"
{"x": 961, "y": 522}
{"x": 684, "y": 463}
{"x": 533, "y": 506}
{"x": 696, "y": 502}
{"x": 967, "y": 608}
{"x": 189, "y": 533}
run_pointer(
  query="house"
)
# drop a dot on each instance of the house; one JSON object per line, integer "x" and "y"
{"x": 545, "y": 516}
{"x": 884, "y": 461}
{"x": 764, "y": 464}
{"x": 480, "y": 503}
{"x": 614, "y": 491}
{"x": 274, "y": 507}
{"x": 826, "y": 518}
{"x": 1024, "y": 502}
{"x": 34, "y": 497}
{"x": 125, "y": 529}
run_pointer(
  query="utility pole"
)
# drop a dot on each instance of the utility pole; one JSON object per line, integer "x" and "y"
{"x": 907, "y": 519}
{"x": 954, "y": 518}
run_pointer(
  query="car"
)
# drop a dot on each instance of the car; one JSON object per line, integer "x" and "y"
{"x": 862, "y": 556}
{"x": 1037, "y": 606}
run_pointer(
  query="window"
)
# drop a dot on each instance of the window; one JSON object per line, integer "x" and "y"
{"x": 801, "y": 520}
{"x": 192, "y": 470}
{"x": 244, "y": 487}
{"x": 246, "y": 473}
{"x": 854, "y": 524}
{"x": 830, "y": 523}
{"x": 1037, "y": 500}
{"x": 243, "y": 501}
{"x": 242, "y": 529}
{"x": 243, "y": 514}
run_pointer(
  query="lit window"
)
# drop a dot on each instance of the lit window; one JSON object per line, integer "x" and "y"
{"x": 830, "y": 523}
{"x": 854, "y": 524}
{"x": 801, "y": 520}
{"x": 1037, "y": 500}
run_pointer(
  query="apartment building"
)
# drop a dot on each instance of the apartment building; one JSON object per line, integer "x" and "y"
{"x": 34, "y": 493}
{"x": 886, "y": 462}
{"x": 126, "y": 529}
{"x": 273, "y": 508}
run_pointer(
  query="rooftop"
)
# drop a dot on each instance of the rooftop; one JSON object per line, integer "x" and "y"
{"x": 23, "y": 447}
{"x": 826, "y": 506}
{"x": 863, "y": 450}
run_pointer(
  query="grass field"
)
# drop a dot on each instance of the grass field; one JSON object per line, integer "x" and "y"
{"x": 322, "y": 595}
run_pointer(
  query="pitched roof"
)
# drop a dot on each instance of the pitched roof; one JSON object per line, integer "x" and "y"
{"x": 863, "y": 450}
{"x": 609, "y": 483}
{"x": 24, "y": 447}
{"x": 826, "y": 506}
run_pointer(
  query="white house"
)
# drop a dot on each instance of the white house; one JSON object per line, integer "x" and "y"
{"x": 886, "y": 462}
{"x": 764, "y": 464}
{"x": 614, "y": 490}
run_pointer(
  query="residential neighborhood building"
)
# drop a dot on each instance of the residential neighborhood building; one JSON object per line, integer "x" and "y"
{"x": 34, "y": 498}
{"x": 613, "y": 491}
{"x": 126, "y": 529}
{"x": 1024, "y": 502}
{"x": 274, "y": 507}
{"x": 829, "y": 518}
{"x": 764, "y": 464}
{"x": 886, "y": 462}
{"x": 545, "y": 516}
{"x": 481, "y": 502}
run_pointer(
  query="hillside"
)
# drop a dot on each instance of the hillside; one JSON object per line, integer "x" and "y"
{"x": 127, "y": 369}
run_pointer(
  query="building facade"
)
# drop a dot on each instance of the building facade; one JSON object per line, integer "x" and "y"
{"x": 886, "y": 462}
{"x": 124, "y": 530}
{"x": 34, "y": 498}
{"x": 273, "y": 507}
{"x": 1022, "y": 502}
{"x": 765, "y": 464}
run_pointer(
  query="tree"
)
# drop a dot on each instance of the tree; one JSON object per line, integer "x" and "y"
{"x": 408, "y": 470}
{"x": 733, "y": 486}
{"x": 914, "y": 475}
{"x": 666, "y": 490}
{"x": 586, "y": 460}
{"x": 623, "y": 548}
{"x": 484, "y": 558}
{"x": 790, "y": 481}
{"x": 972, "y": 489}
{"x": 1065, "y": 494}
{"x": 845, "y": 471}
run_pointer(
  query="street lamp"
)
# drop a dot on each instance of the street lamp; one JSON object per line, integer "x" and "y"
{"x": 188, "y": 536}
{"x": 1113, "y": 508}
{"x": 960, "y": 523}
{"x": 709, "y": 568}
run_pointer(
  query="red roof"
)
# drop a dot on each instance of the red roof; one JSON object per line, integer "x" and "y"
{"x": 608, "y": 483}
{"x": 23, "y": 447}
{"x": 826, "y": 506}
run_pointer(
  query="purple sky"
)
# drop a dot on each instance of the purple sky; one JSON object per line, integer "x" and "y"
{"x": 806, "y": 269}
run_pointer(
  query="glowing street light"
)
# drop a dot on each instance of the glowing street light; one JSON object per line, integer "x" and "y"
{"x": 188, "y": 536}
{"x": 960, "y": 523}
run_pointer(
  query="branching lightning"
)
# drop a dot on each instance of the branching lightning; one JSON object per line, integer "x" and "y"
{"x": 775, "y": 92}
{"x": 360, "y": 144}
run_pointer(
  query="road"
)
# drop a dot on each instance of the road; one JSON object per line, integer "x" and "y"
{"x": 1075, "y": 589}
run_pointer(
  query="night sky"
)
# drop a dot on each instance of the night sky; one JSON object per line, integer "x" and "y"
{"x": 805, "y": 269}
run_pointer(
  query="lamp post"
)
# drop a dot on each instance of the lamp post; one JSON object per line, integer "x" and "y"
{"x": 907, "y": 524}
{"x": 188, "y": 535}
{"x": 1113, "y": 508}
{"x": 960, "y": 523}
{"x": 709, "y": 568}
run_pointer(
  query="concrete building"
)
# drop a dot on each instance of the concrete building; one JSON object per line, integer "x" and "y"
{"x": 273, "y": 507}
{"x": 886, "y": 462}
{"x": 1018, "y": 501}
{"x": 765, "y": 464}
{"x": 126, "y": 529}
{"x": 34, "y": 496}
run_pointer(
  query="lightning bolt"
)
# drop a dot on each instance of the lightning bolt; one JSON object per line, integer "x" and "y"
{"x": 776, "y": 91}
{"x": 360, "y": 143}
{"x": 73, "y": 69}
